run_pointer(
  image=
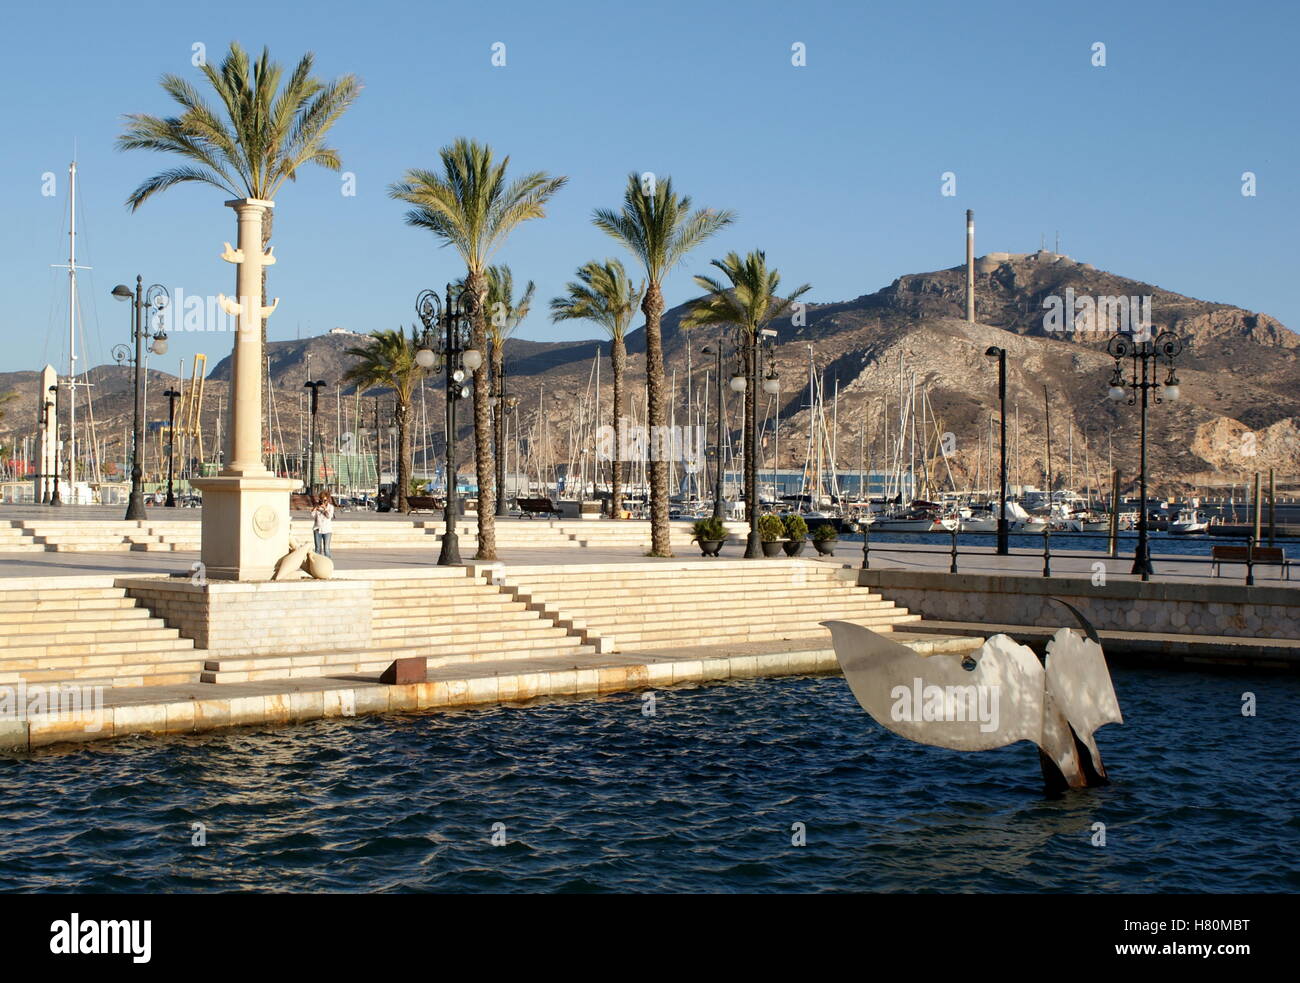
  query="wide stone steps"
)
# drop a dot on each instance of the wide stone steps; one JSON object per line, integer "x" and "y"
{"x": 630, "y": 640}
{"x": 773, "y": 611}
{"x": 140, "y": 672}
{"x": 88, "y": 635}
{"x": 315, "y": 664}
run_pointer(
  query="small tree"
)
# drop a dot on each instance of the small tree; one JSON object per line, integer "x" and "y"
{"x": 389, "y": 361}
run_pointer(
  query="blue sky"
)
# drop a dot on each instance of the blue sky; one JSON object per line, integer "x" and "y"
{"x": 833, "y": 168}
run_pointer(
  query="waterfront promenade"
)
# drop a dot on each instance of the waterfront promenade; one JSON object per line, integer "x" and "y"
{"x": 570, "y": 608}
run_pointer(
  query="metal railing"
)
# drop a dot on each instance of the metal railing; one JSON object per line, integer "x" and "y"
{"x": 1250, "y": 559}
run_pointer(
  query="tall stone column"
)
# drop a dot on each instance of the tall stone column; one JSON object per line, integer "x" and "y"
{"x": 245, "y": 508}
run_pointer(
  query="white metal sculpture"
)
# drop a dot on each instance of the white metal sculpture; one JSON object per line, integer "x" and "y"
{"x": 989, "y": 698}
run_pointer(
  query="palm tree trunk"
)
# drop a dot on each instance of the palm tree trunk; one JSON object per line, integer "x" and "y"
{"x": 484, "y": 464}
{"x": 751, "y": 450}
{"x": 618, "y": 356}
{"x": 499, "y": 412}
{"x": 402, "y": 415}
{"x": 653, "y": 308}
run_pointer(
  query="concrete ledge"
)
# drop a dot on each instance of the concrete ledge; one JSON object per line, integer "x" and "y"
{"x": 1198, "y": 607}
{"x": 197, "y": 708}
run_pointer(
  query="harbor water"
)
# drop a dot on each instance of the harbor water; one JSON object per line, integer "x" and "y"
{"x": 768, "y": 785}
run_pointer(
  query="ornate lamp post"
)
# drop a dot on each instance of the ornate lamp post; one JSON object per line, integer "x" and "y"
{"x": 54, "y": 494}
{"x": 172, "y": 395}
{"x": 315, "y": 388}
{"x": 750, "y": 349}
{"x": 48, "y": 407}
{"x": 143, "y": 303}
{"x": 1144, "y": 355}
{"x": 445, "y": 346}
{"x": 719, "y": 507}
{"x": 1001, "y": 355}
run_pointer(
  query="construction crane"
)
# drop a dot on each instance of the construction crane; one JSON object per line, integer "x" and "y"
{"x": 191, "y": 425}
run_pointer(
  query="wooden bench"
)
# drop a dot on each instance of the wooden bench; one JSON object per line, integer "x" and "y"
{"x": 1259, "y": 556}
{"x": 537, "y": 506}
{"x": 424, "y": 503}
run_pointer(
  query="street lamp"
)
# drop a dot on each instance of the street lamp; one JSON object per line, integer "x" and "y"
{"x": 1001, "y": 355}
{"x": 751, "y": 346}
{"x": 315, "y": 388}
{"x": 1144, "y": 354}
{"x": 445, "y": 346}
{"x": 719, "y": 509}
{"x": 45, "y": 458}
{"x": 172, "y": 395}
{"x": 54, "y": 495}
{"x": 499, "y": 399}
{"x": 154, "y": 301}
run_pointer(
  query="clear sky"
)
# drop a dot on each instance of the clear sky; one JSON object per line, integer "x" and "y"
{"x": 834, "y": 167}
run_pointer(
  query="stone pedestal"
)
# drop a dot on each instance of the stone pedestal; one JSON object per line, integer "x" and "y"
{"x": 269, "y": 619}
{"x": 245, "y": 525}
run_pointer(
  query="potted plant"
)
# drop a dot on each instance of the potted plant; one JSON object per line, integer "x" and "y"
{"x": 771, "y": 532}
{"x": 824, "y": 537}
{"x": 710, "y": 533}
{"x": 796, "y": 531}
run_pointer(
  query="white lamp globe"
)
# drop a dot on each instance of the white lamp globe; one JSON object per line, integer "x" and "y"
{"x": 458, "y": 375}
{"x": 424, "y": 358}
{"x": 1172, "y": 392}
{"x": 771, "y": 385}
{"x": 159, "y": 346}
{"x": 738, "y": 383}
{"x": 472, "y": 358}
{"x": 1116, "y": 393}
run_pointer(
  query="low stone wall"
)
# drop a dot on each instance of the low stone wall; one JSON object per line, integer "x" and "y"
{"x": 1120, "y": 605}
{"x": 263, "y": 618}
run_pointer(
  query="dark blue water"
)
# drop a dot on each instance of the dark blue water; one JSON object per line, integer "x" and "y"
{"x": 595, "y": 796}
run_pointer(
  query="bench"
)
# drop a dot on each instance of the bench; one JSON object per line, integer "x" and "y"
{"x": 424, "y": 503}
{"x": 1259, "y": 556}
{"x": 537, "y": 506}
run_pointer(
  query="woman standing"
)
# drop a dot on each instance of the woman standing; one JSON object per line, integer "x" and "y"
{"x": 323, "y": 524}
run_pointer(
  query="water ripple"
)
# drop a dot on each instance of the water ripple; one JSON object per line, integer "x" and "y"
{"x": 592, "y": 796}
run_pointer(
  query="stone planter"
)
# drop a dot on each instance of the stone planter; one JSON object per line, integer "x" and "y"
{"x": 793, "y": 547}
{"x": 773, "y": 547}
{"x": 710, "y": 547}
{"x": 825, "y": 547}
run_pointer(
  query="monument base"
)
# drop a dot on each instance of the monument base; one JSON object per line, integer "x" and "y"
{"x": 245, "y": 525}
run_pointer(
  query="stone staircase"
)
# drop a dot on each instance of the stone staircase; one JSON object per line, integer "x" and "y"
{"x": 644, "y": 607}
{"x": 449, "y": 616}
{"x": 14, "y": 539}
{"x": 88, "y": 632}
{"x": 183, "y": 535}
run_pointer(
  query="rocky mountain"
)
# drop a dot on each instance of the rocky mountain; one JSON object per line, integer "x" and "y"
{"x": 1239, "y": 409}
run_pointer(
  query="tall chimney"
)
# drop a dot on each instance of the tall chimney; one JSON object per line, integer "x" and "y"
{"x": 970, "y": 266}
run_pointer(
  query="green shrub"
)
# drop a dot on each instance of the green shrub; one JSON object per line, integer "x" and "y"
{"x": 710, "y": 530}
{"x": 795, "y": 527}
{"x": 824, "y": 533}
{"x": 770, "y": 528}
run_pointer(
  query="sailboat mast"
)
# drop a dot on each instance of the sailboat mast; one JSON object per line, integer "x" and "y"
{"x": 72, "y": 330}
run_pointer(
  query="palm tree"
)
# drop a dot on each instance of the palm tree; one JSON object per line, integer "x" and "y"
{"x": 389, "y": 361}
{"x": 504, "y": 314}
{"x": 605, "y": 294}
{"x": 471, "y": 207}
{"x": 659, "y": 229}
{"x": 749, "y": 302}
{"x": 255, "y": 142}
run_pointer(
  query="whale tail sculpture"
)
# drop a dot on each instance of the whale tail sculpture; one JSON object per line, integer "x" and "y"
{"x": 989, "y": 698}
